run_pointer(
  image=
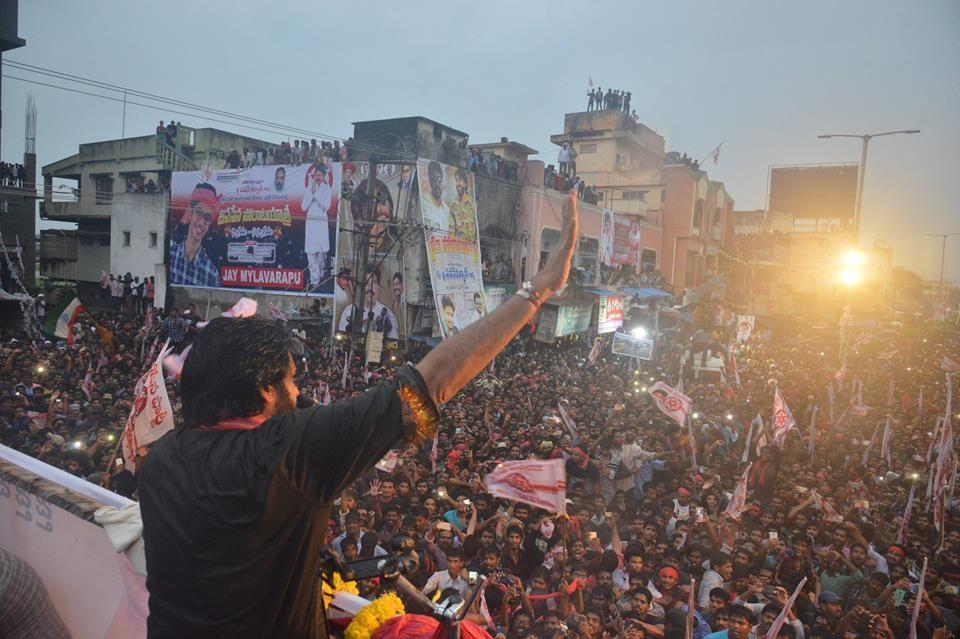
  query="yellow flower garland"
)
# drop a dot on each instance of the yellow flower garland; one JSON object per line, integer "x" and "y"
{"x": 366, "y": 622}
{"x": 338, "y": 584}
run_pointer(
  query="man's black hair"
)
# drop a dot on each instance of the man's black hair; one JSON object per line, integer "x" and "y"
{"x": 740, "y": 612}
{"x": 230, "y": 362}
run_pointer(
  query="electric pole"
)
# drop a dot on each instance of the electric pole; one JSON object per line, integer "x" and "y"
{"x": 943, "y": 252}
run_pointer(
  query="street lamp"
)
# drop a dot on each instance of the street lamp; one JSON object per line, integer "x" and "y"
{"x": 943, "y": 251}
{"x": 865, "y": 137}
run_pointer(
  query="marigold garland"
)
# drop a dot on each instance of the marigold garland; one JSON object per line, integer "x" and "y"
{"x": 338, "y": 584}
{"x": 371, "y": 616}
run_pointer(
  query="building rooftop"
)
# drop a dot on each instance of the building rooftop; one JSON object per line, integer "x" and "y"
{"x": 411, "y": 119}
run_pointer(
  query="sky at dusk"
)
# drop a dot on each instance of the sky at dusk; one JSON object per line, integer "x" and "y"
{"x": 765, "y": 77}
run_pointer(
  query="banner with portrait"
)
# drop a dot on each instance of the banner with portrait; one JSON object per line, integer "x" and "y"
{"x": 384, "y": 304}
{"x": 449, "y": 213}
{"x": 264, "y": 228}
{"x": 619, "y": 239}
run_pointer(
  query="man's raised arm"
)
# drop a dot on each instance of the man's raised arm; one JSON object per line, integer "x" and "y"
{"x": 458, "y": 359}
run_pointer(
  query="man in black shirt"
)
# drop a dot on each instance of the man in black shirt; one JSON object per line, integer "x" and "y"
{"x": 235, "y": 502}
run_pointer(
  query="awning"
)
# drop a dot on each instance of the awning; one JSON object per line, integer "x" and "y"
{"x": 645, "y": 293}
{"x": 601, "y": 292}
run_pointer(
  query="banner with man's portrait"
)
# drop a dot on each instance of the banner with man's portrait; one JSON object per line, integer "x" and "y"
{"x": 619, "y": 239}
{"x": 449, "y": 212}
{"x": 384, "y": 304}
{"x": 264, "y": 228}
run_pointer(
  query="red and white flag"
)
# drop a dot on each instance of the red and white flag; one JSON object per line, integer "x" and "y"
{"x": 828, "y": 512}
{"x": 568, "y": 423}
{"x": 594, "y": 352}
{"x": 738, "y": 503}
{"x": 715, "y": 154}
{"x": 671, "y": 402}
{"x": 346, "y": 370}
{"x": 885, "y": 442}
{"x": 87, "y": 386}
{"x": 756, "y": 424}
{"x": 277, "y": 312}
{"x": 388, "y": 463}
{"x": 540, "y": 483}
{"x": 777, "y": 624}
{"x": 151, "y": 415}
{"x": 915, "y": 615}
{"x": 907, "y": 512}
{"x": 783, "y": 419}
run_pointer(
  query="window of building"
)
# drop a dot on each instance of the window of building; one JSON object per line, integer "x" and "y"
{"x": 153, "y": 240}
{"x": 126, "y": 238}
{"x": 648, "y": 260}
{"x": 633, "y": 195}
{"x": 104, "y": 188}
{"x": 549, "y": 238}
{"x": 698, "y": 217}
{"x": 86, "y": 240}
{"x": 104, "y": 240}
{"x": 690, "y": 272}
{"x": 588, "y": 148}
{"x": 587, "y": 258}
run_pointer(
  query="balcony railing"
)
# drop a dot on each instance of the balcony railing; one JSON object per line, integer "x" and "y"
{"x": 50, "y": 209}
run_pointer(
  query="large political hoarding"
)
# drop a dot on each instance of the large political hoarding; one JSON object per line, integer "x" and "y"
{"x": 385, "y": 299}
{"x": 826, "y": 191}
{"x": 264, "y": 228}
{"x": 609, "y": 313}
{"x": 619, "y": 239}
{"x": 448, "y": 210}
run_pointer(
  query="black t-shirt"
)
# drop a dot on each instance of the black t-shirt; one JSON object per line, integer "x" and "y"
{"x": 233, "y": 520}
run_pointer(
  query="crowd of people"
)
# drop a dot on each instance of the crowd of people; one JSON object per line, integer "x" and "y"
{"x": 138, "y": 183}
{"x": 492, "y": 165}
{"x": 565, "y": 178}
{"x": 613, "y": 99}
{"x": 12, "y": 174}
{"x": 300, "y": 152}
{"x": 647, "y": 527}
{"x": 127, "y": 294}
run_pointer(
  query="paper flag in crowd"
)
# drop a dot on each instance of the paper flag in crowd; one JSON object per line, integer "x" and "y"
{"x": 671, "y": 402}
{"x": 774, "y": 629}
{"x": 173, "y": 363}
{"x": 567, "y": 422}
{"x": 907, "y": 513}
{"x": 915, "y": 615}
{"x": 388, "y": 463}
{"x": 87, "y": 386}
{"x": 540, "y": 483}
{"x": 756, "y": 425}
{"x": 594, "y": 352}
{"x": 829, "y": 513}
{"x": 245, "y": 307}
{"x": 885, "y": 442}
{"x": 738, "y": 503}
{"x": 346, "y": 370}
{"x": 783, "y": 419}
{"x": 66, "y": 318}
{"x": 151, "y": 415}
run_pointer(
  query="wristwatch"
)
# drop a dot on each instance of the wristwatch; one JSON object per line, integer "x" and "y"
{"x": 527, "y": 292}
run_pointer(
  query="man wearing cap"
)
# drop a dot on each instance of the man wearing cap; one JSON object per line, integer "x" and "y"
{"x": 315, "y": 203}
{"x": 189, "y": 263}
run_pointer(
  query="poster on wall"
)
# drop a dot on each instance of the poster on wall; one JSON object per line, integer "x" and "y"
{"x": 265, "y": 228}
{"x": 573, "y": 319}
{"x": 639, "y": 347}
{"x": 448, "y": 209}
{"x": 383, "y": 309}
{"x": 610, "y": 314}
{"x": 619, "y": 239}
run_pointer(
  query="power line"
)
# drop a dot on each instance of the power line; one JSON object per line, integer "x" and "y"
{"x": 248, "y": 122}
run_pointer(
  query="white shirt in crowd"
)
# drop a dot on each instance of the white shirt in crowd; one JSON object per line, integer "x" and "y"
{"x": 441, "y": 580}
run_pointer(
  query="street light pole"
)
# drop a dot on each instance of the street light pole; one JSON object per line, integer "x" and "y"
{"x": 943, "y": 252}
{"x": 865, "y": 138}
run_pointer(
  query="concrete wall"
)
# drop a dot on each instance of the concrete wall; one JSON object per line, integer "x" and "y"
{"x": 140, "y": 214}
{"x": 19, "y": 221}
